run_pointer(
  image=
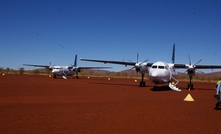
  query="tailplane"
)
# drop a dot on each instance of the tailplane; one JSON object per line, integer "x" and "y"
{"x": 173, "y": 60}
{"x": 173, "y": 54}
{"x": 75, "y": 68}
{"x": 75, "y": 61}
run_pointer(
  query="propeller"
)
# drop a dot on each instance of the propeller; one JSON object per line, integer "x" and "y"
{"x": 191, "y": 67}
{"x": 137, "y": 66}
{"x": 50, "y": 66}
{"x": 191, "y": 72}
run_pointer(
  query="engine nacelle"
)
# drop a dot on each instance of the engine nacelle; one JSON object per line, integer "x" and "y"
{"x": 51, "y": 68}
{"x": 191, "y": 72}
{"x": 137, "y": 69}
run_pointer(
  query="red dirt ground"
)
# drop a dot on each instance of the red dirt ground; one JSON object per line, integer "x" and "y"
{"x": 39, "y": 104}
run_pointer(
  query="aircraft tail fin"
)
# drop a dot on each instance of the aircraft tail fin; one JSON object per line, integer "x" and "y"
{"x": 173, "y": 54}
{"x": 75, "y": 61}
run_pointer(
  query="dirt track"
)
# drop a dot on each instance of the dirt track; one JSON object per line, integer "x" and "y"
{"x": 39, "y": 104}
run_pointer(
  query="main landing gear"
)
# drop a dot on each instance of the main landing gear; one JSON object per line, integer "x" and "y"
{"x": 77, "y": 77}
{"x": 142, "y": 82}
{"x": 190, "y": 84}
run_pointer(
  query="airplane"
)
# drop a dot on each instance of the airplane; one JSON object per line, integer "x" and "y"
{"x": 161, "y": 72}
{"x": 65, "y": 70}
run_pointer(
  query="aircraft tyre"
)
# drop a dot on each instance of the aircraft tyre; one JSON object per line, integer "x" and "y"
{"x": 77, "y": 77}
{"x": 190, "y": 86}
{"x": 54, "y": 76}
{"x": 142, "y": 84}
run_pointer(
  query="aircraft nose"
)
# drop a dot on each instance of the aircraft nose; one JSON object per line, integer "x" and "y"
{"x": 153, "y": 74}
{"x": 54, "y": 71}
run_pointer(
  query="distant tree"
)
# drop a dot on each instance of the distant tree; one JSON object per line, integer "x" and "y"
{"x": 47, "y": 70}
{"x": 35, "y": 71}
{"x": 8, "y": 70}
{"x": 21, "y": 70}
{"x": 1, "y": 70}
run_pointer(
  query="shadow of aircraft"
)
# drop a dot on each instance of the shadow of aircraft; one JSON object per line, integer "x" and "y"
{"x": 116, "y": 84}
{"x": 161, "y": 88}
{"x": 196, "y": 88}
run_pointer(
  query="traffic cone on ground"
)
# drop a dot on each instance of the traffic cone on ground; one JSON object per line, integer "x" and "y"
{"x": 188, "y": 98}
{"x": 196, "y": 89}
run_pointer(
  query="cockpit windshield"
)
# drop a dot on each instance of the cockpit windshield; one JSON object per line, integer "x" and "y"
{"x": 154, "y": 66}
{"x": 159, "y": 67}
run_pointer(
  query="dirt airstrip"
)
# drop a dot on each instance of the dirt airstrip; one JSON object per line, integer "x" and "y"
{"x": 39, "y": 104}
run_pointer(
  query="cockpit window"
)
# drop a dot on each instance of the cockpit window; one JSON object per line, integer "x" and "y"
{"x": 161, "y": 67}
{"x": 154, "y": 66}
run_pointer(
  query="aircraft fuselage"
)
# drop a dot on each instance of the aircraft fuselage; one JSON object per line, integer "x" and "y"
{"x": 62, "y": 70}
{"x": 160, "y": 72}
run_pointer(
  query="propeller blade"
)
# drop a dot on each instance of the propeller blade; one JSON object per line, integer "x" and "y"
{"x": 130, "y": 61}
{"x": 133, "y": 67}
{"x": 189, "y": 60}
{"x": 144, "y": 61}
{"x": 200, "y": 71}
{"x": 198, "y": 61}
{"x": 137, "y": 57}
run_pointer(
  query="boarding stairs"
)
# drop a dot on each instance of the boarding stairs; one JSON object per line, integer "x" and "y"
{"x": 173, "y": 86}
{"x": 64, "y": 75}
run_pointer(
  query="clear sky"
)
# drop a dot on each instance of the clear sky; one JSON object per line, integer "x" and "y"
{"x": 44, "y": 31}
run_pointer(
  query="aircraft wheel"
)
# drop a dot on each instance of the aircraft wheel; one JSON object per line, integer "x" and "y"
{"x": 142, "y": 84}
{"x": 54, "y": 76}
{"x": 190, "y": 86}
{"x": 77, "y": 77}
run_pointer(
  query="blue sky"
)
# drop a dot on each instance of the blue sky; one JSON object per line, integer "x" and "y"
{"x": 44, "y": 31}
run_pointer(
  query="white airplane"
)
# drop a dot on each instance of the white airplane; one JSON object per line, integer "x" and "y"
{"x": 161, "y": 72}
{"x": 65, "y": 70}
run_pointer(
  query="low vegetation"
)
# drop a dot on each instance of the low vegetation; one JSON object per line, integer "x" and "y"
{"x": 208, "y": 77}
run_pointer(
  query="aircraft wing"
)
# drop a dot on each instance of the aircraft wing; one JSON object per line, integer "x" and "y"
{"x": 179, "y": 66}
{"x": 207, "y": 66}
{"x": 36, "y": 65}
{"x": 198, "y": 66}
{"x": 93, "y": 67}
{"x": 109, "y": 61}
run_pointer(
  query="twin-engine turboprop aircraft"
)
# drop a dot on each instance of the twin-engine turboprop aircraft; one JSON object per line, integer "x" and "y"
{"x": 161, "y": 72}
{"x": 65, "y": 70}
